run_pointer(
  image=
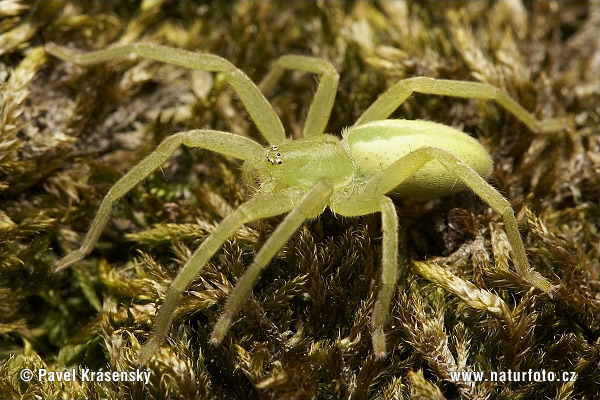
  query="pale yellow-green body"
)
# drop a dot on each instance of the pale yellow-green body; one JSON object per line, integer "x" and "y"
{"x": 377, "y": 145}
{"x": 368, "y": 149}
{"x": 353, "y": 175}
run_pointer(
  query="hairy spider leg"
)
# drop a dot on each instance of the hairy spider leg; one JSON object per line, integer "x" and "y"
{"x": 389, "y": 270}
{"x": 320, "y": 108}
{"x": 258, "y": 107}
{"x": 387, "y": 103}
{"x": 261, "y": 206}
{"x": 351, "y": 206}
{"x": 221, "y": 142}
{"x": 386, "y": 180}
{"x": 310, "y": 205}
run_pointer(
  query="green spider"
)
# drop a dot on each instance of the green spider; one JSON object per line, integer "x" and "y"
{"x": 353, "y": 176}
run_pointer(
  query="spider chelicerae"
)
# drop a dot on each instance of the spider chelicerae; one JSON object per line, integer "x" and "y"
{"x": 353, "y": 176}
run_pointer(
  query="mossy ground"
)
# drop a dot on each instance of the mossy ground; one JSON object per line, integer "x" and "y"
{"x": 68, "y": 133}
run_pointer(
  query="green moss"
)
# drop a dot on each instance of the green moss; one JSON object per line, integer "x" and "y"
{"x": 68, "y": 133}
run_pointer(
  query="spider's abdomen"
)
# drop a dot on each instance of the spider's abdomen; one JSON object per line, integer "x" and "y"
{"x": 376, "y": 145}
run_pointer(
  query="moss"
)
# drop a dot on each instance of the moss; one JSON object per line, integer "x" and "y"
{"x": 68, "y": 133}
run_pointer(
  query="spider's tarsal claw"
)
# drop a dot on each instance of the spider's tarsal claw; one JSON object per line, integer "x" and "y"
{"x": 68, "y": 260}
{"x": 220, "y": 329}
{"x": 539, "y": 281}
{"x": 379, "y": 346}
{"x": 146, "y": 352}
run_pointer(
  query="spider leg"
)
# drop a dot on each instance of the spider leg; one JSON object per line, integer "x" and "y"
{"x": 387, "y": 103}
{"x": 392, "y": 176}
{"x": 262, "y": 206}
{"x": 220, "y": 142}
{"x": 310, "y": 205}
{"x": 255, "y": 102}
{"x": 320, "y": 109}
{"x": 389, "y": 270}
{"x": 366, "y": 204}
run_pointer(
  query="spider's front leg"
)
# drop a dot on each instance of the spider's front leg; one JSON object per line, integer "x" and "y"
{"x": 258, "y": 107}
{"x": 310, "y": 204}
{"x": 389, "y": 101}
{"x": 217, "y": 141}
{"x": 320, "y": 109}
{"x": 262, "y": 206}
{"x": 388, "y": 179}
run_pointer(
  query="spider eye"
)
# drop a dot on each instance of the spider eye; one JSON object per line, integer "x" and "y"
{"x": 274, "y": 157}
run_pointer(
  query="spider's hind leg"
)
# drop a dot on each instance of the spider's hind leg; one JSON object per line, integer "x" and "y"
{"x": 386, "y": 180}
{"x": 388, "y": 102}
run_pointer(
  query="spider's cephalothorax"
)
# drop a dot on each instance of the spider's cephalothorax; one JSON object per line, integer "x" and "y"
{"x": 294, "y": 164}
{"x": 352, "y": 176}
